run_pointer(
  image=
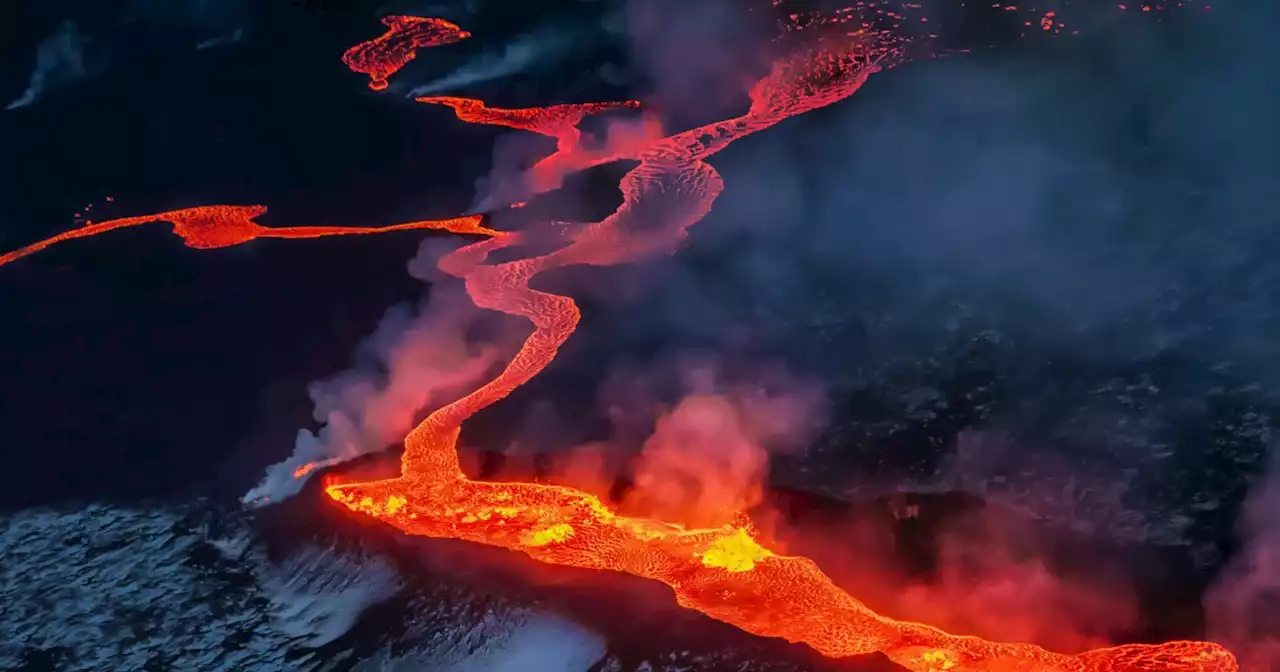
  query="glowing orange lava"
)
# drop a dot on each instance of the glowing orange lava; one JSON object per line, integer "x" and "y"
{"x": 724, "y": 573}
{"x": 384, "y": 55}
{"x": 554, "y": 121}
{"x": 212, "y": 226}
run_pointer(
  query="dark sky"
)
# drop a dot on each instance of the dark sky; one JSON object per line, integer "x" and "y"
{"x": 133, "y": 366}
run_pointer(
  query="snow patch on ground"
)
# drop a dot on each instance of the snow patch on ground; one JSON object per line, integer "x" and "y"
{"x": 318, "y": 594}
{"x": 470, "y": 636}
{"x": 105, "y": 588}
{"x": 543, "y": 642}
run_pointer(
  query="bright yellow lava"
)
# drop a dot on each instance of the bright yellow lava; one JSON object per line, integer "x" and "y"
{"x": 737, "y": 552}
{"x": 550, "y": 535}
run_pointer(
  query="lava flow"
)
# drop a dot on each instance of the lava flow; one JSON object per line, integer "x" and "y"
{"x": 554, "y": 121}
{"x": 212, "y": 226}
{"x": 384, "y": 56}
{"x": 725, "y": 572}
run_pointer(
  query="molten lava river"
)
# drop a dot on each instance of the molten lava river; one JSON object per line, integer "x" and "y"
{"x": 725, "y": 573}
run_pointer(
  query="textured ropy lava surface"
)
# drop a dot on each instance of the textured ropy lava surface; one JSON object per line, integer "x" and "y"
{"x": 725, "y": 572}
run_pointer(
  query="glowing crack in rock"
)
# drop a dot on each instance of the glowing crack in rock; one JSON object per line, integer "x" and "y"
{"x": 724, "y": 573}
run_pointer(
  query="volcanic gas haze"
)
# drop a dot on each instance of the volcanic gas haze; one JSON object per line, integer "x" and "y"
{"x": 723, "y": 572}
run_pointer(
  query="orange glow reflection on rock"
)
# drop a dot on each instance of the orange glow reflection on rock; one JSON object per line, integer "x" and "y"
{"x": 212, "y": 226}
{"x": 723, "y": 572}
{"x": 384, "y": 55}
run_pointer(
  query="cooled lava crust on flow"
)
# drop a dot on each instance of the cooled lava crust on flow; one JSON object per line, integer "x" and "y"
{"x": 725, "y": 572}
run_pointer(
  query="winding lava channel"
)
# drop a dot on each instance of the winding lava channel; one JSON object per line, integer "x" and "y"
{"x": 724, "y": 572}
{"x": 208, "y": 227}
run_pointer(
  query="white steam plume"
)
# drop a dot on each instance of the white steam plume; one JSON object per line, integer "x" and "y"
{"x": 59, "y": 61}
{"x": 414, "y": 361}
{"x": 519, "y": 55}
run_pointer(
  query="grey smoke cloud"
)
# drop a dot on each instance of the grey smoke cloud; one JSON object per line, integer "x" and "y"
{"x": 700, "y": 64}
{"x": 1109, "y": 202}
{"x": 60, "y": 61}
{"x": 1110, "y": 217}
{"x": 68, "y": 55}
{"x": 707, "y": 455}
{"x": 1023, "y": 193}
{"x": 1243, "y": 608}
{"x": 521, "y": 54}
{"x": 561, "y": 38}
{"x": 417, "y": 359}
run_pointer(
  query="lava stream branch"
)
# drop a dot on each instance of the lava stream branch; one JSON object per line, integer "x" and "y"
{"x": 213, "y": 226}
{"x": 724, "y": 573}
{"x": 555, "y": 121}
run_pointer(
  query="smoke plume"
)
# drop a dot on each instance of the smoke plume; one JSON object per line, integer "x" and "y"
{"x": 699, "y": 67}
{"x": 708, "y": 455}
{"x": 1244, "y": 606}
{"x": 69, "y": 55}
{"x": 414, "y": 361}
{"x": 692, "y": 436}
{"x": 1038, "y": 222}
{"x": 1061, "y": 217}
{"x": 994, "y": 578}
{"x": 59, "y": 61}
{"x": 1036, "y": 227}
{"x": 523, "y": 53}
